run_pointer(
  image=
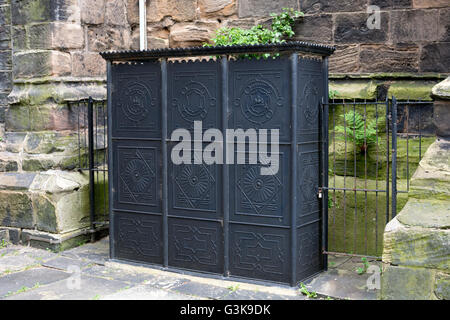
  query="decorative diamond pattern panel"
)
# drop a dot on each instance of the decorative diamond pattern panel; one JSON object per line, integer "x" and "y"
{"x": 138, "y": 176}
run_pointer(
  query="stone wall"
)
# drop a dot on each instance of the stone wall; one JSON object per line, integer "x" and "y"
{"x": 416, "y": 245}
{"x": 5, "y": 64}
{"x": 55, "y": 46}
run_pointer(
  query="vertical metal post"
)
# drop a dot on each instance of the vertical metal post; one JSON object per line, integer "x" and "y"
{"x": 143, "y": 24}
{"x": 388, "y": 117}
{"x": 294, "y": 151}
{"x": 225, "y": 172}
{"x": 324, "y": 139}
{"x": 165, "y": 218}
{"x": 91, "y": 151}
{"x": 110, "y": 160}
{"x": 394, "y": 156}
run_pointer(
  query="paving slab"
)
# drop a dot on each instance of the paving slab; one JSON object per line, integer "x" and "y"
{"x": 259, "y": 295}
{"x": 15, "y": 281}
{"x": 128, "y": 276}
{"x": 65, "y": 263}
{"x": 91, "y": 288}
{"x": 97, "y": 252}
{"x": 166, "y": 282}
{"x": 202, "y": 290}
{"x": 342, "y": 284}
{"x": 12, "y": 263}
{"x": 145, "y": 292}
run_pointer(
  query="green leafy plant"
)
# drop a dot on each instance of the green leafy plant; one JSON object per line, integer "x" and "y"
{"x": 3, "y": 244}
{"x": 306, "y": 292}
{"x": 363, "y": 269}
{"x": 333, "y": 93}
{"x": 281, "y": 28}
{"x": 233, "y": 288}
{"x": 363, "y": 133}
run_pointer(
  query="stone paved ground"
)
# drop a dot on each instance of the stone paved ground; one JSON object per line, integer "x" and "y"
{"x": 85, "y": 273}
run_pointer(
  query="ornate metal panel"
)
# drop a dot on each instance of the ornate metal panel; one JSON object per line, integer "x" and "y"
{"x": 196, "y": 244}
{"x": 136, "y": 100}
{"x": 260, "y": 252}
{"x": 224, "y": 219}
{"x": 193, "y": 95}
{"x": 259, "y": 95}
{"x": 137, "y": 175}
{"x": 138, "y": 237}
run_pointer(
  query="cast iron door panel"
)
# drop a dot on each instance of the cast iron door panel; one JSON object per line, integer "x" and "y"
{"x": 136, "y": 143}
{"x": 311, "y": 90}
{"x": 259, "y": 95}
{"x": 195, "y": 210}
{"x": 263, "y": 240}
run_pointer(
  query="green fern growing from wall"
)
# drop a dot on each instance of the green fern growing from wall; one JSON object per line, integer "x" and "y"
{"x": 357, "y": 130}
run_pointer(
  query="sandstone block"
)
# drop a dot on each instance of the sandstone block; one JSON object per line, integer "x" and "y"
{"x": 179, "y": 10}
{"x": 400, "y": 283}
{"x": 26, "y": 11}
{"x": 391, "y": 4}
{"x": 352, "y": 28}
{"x": 435, "y": 57}
{"x": 93, "y": 11}
{"x": 444, "y": 25}
{"x": 414, "y": 25}
{"x": 88, "y": 64}
{"x": 109, "y": 38}
{"x": 217, "y": 7}
{"x": 345, "y": 59}
{"x": 441, "y": 117}
{"x": 16, "y": 210}
{"x": 442, "y": 287}
{"x": 133, "y": 12}
{"x": 389, "y": 58}
{"x": 55, "y": 36}
{"x": 45, "y": 213}
{"x": 416, "y": 246}
{"x": 253, "y": 8}
{"x": 5, "y": 81}
{"x": 182, "y": 34}
{"x": 41, "y": 64}
{"x": 19, "y": 38}
{"x": 318, "y": 6}
{"x": 315, "y": 29}
{"x": 116, "y": 13}
{"x": 430, "y": 3}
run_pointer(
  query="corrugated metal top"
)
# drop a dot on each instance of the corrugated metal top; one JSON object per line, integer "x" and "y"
{"x": 294, "y": 46}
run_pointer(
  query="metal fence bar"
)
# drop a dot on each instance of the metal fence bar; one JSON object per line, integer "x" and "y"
{"x": 394, "y": 157}
{"x": 324, "y": 144}
{"x": 110, "y": 158}
{"x": 91, "y": 165}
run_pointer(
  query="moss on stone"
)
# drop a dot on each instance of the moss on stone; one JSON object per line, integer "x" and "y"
{"x": 353, "y": 89}
{"x": 412, "y": 90}
{"x": 369, "y": 220}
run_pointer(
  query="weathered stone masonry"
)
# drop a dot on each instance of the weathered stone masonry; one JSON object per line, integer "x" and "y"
{"x": 49, "y": 55}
